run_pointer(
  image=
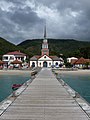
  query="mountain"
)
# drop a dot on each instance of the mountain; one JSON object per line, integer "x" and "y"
{"x": 6, "y": 46}
{"x": 67, "y": 47}
{"x": 33, "y": 47}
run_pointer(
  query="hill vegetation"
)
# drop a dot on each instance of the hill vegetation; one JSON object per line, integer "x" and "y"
{"x": 67, "y": 47}
{"x": 6, "y": 46}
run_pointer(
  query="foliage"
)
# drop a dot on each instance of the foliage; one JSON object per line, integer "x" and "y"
{"x": 67, "y": 47}
{"x": 87, "y": 65}
{"x": 6, "y": 46}
{"x": 85, "y": 52}
{"x": 68, "y": 65}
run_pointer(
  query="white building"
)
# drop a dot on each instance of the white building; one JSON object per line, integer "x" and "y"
{"x": 12, "y": 56}
{"x": 45, "y": 60}
{"x": 71, "y": 59}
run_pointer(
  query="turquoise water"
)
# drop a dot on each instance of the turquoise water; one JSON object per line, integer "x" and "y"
{"x": 80, "y": 83}
{"x": 6, "y": 82}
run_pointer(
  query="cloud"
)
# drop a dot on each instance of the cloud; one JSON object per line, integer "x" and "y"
{"x": 20, "y": 19}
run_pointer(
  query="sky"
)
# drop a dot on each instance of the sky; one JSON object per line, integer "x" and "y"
{"x": 25, "y": 19}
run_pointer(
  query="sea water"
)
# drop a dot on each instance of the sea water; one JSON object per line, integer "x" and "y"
{"x": 6, "y": 82}
{"x": 80, "y": 83}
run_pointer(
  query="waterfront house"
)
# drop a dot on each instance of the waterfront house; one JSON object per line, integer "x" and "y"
{"x": 81, "y": 62}
{"x": 69, "y": 60}
{"x": 12, "y": 56}
{"x": 16, "y": 63}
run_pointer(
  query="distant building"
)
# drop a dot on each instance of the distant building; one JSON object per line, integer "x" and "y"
{"x": 81, "y": 62}
{"x": 71, "y": 59}
{"x": 12, "y": 56}
{"x": 1, "y": 64}
{"x": 44, "y": 60}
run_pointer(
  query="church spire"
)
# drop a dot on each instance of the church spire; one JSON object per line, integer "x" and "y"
{"x": 45, "y": 32}
{"x": 45, "y": 50}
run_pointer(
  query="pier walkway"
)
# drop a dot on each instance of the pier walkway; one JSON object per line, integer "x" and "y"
{"x": 44, "y": 99}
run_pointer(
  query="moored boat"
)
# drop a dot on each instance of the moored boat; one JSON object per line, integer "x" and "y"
{"x": 16, "y": 86}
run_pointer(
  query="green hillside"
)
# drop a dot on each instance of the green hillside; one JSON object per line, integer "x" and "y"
{"x": 6, "y": 46}
{"x": 56, "y": 46}
{"x": 67, "y": 47}
{"x": 33, "y": 47}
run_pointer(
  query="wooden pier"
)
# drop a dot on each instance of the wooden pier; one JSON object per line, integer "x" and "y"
{"x": 44, "y": 99}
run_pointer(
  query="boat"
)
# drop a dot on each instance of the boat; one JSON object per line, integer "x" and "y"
{"x": 16, "y": 86}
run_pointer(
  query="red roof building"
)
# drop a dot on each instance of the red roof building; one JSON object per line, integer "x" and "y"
{"x": 16, "y": 62}
{"x": 16, "y": 53}
{"x": 9, "y": 57}
{"x": 81, "y": 62}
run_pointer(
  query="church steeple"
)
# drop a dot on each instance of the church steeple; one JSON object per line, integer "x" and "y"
{"x": 45, "y": 50}
{"x": 45, "y": 32}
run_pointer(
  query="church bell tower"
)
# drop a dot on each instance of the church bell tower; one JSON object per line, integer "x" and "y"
{"x": 45, "y": 50}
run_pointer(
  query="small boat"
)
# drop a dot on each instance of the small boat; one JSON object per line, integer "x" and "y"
{"x": 16, "y": 86}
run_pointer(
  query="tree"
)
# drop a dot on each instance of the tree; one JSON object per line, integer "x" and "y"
{"x": 68, "y": 65}
{"x": 87, "y": 65}
{"x": 85, "y": 52}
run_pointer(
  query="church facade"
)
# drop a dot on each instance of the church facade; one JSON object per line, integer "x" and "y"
{"x": 44, "y": 60}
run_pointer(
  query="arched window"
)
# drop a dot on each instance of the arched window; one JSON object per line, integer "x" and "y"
{"x": 49, "y": 64}
{"x": 33, "y": 64}
{"x": 56, "y": 63}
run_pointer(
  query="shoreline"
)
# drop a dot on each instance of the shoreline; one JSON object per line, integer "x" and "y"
{"x": 14, "y": 72}
{"x": 78, "y": 72}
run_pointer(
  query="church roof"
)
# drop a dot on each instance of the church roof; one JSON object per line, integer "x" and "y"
{"x": 55, "y": 58}
{"x": 36, "y": 57}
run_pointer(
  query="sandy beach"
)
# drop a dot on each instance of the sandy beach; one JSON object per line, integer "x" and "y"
{"x": 14, "y": 72}
{"x": 77, "y": 72}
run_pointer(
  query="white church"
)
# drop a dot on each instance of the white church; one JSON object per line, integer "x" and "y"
{"x": 44, "y": 60}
